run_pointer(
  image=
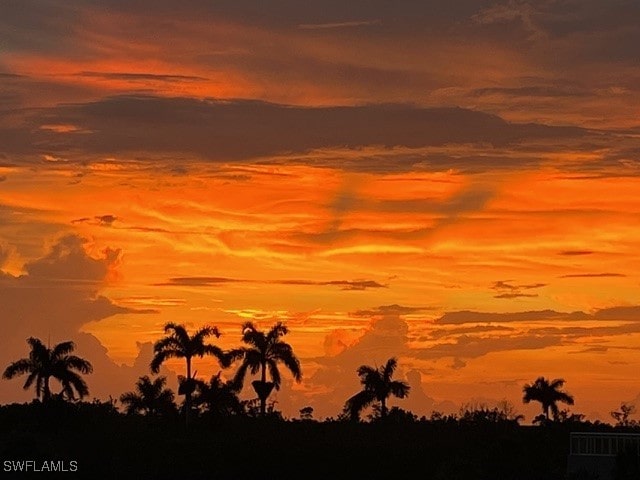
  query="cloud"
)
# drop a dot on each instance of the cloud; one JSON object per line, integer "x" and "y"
{"x": 141, "y": 76}
{"x": 450, "y": 332}
{"x": 344, "y": 284}
{"x": 158, "y": 126}
{"x": 331, "y": 26}
{"x": 516, "y": 295}
{"x": 592, "y": 275}
{"x": 473, "y": 347}
{"x": 509, "y": 290}
{"x": 620, "y": 313}
{"x": 458, "y": 364}
{"x": 57, "y": 295}
{"x": 217, "y": 281}
{"x": 393, "y": 309}
{"x": 197, "y": 282}
{"x": 468, "y": 316}
{"x": 576, "y": 252}
{"x": 100, "y": 220}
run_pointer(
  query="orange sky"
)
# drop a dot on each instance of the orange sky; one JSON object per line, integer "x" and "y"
{"x": 388, "y": 183}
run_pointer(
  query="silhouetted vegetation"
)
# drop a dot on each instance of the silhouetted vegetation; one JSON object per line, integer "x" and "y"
{"x": 233, "y": 438}
{"x": 548, "y": 393}
{"x": 217, "y": 398}
{"x": 377, "y": 387}
{"x": 179, "y": 344}
{"x": 264, "y": 352}
{"x": 57, "y": 362}
{"x": 150, "y": 398}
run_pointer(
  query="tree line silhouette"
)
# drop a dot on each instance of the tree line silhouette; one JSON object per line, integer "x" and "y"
{"x": 262, "y": 354}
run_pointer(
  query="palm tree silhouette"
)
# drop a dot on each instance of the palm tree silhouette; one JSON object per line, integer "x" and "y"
{"x": 378, "y": 386}
{"x": 548, "y": 393}
{"x": 44, "y": 363}
{"x": 218, "y": 398}
{"x": 264, "y": 353}
{"x": 178, "y": 344}
{"x": 150, "y": 397}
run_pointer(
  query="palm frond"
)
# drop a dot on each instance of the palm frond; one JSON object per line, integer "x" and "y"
{"x": 19, "y": 367}
{"x": 62, "y": 349}
{"x": 284, "y": 353}
{"x": 160, "y": 357}
{"x": 217, "y": 353}
{"x": 30, "y": 379}
{"x": 389, "y": 368}
{"x": 238, "y": 378}
{"x": 235, "y": 354}
{"x": 399, "y": 388}
{"x": 77, "y": 363}
{"x": 70, "y": 381}
{"x": 170, "y": 342}
{"x": 274, "y": 372}
{"x": 357, "y": 403}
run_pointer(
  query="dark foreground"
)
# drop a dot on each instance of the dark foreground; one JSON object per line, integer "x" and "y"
{"x": 105, "y": 444}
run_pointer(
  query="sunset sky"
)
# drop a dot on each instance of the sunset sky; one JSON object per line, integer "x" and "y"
{"x": 455, "y": 183}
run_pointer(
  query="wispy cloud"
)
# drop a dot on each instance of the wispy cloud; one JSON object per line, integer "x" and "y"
{"x": 218, "y": 281}
{"x": 592, "y": 275}
{"x": 334, "y": 25}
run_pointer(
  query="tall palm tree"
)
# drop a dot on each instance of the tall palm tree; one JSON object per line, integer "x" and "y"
{"x": 179, "y": 344}
{"x": 150, "y": 397}
{"x": 264, "y": 352}
{"x": 44, "y": 363}
{"x": 548, "y": 393}
{"x": 378, "y": 386}
{"x": 218, "y": 398}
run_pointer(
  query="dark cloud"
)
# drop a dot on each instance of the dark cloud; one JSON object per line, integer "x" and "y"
{"x": 141, "y": 76}
{"x": 244, "y": 129}
{"x": 474, "y": 347}
{"x": 576, "y": 252}
{"x": 439, "y": 333}
{"x": 468, "y": 316}
{"x": 197, "y": 282}
{"x": 343, "y": 284}
{"x": 334, "y": 25}
{"x": 216, "y": 281}
{"x": 458, "y": 364}
{"x": 394, "y": 309}
{"x": 621, "y": 313}
{"x": 631, "y": 313}
{"x": 595, "y": 349}
{"x": 101, "y": 220}
{"x": 516, "y": 295}
{"x": 510, "y": 290}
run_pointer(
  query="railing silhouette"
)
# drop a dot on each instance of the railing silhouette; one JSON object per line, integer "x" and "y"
{"x": 598, "y": 444}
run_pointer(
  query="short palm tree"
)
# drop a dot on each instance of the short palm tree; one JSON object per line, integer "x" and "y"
{"x": 217, "y": 398}
{"x": 548, "y": 393}
{"x": 44, "y": 363}
{"x": 264, "y": 352}
{"x": 179, "y": 344}
{"x": 378, "y": 386}
{"x": 150, "y": 397}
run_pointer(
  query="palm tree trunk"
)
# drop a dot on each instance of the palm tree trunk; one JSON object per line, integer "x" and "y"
{"x": 263, "y": 400}
{"x": 46, "y": 392}
{"x": 187, "y": 399}
{"x": 383, "y": 409}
